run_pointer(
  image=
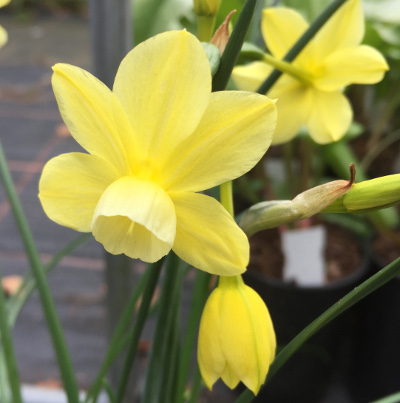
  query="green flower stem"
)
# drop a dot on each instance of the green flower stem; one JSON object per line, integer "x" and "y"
{"x": 200, "y": 292}
{"x": 7, "y": 348}
{"x": 155, "y": 270}
{"x": 5, "y": 392}
{"x": 117, "y": 341}
{"x": 233, "y": 47}
{"x": 18, "y": 300}
{"x": 205, "y": 27}
{"x": 360, "y": 292}
{"x": 227, "y": 197}
{"x": 315, "y": 26}
{"x": 171, "y": 359}
{"x": 53, "y": 322}
{"x": 288, "y": 68}
{"x": 170, "y": 293}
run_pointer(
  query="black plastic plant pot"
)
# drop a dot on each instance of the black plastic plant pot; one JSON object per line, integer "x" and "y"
{"x": 376, "y": 361}
{"x": 307, "y": 375}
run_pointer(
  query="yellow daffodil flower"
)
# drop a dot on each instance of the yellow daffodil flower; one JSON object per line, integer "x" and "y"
{"x": 3, "y": 32}
{"x": 156, "y": 140}
{"x": 236, "y": 338}
{"x": 311, "y": 91}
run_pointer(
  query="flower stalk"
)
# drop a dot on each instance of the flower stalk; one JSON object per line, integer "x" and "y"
{"x": 299, "y": 74}
{"x": 155, "y": 270}
{"x": 7, "y": 349}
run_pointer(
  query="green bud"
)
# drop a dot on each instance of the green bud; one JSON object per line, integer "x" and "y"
{"x": 367, "y": 196}
{"x": 272, "y": 214}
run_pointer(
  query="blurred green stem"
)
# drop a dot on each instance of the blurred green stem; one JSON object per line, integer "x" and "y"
{"x": 17, "y": 301}
{"x": 155, "y": 270}
{"x": 52, "y": 319}
{"x": 227, "y": 197}
{"x": 233, "y": 47}
{"x": 7, "y": 348}
{"x": 205, "y": 28}
{"x": 200, "y": 292}
{"x": 117, "y": 342}
{"x": 170, "y": 296}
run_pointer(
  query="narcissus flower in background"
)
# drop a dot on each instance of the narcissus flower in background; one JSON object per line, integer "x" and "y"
{"x": 3, "y": 32}
{"x": 311, "y": 91}
{"x": 236, "y": 338}
{"x": 156, "y": 140}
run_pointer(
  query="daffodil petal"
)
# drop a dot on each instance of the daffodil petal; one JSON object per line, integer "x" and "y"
{"x": 265, "y": 333}
{"x": 359, "y": 65}
{"x": 209, "y": 352}
{"x": 3, "y": 36}
{"x": 344, "y": 29}
{"x": 88, "y": 107}
{"x": 330, "y": 116}
{"x": 135, "y": 217}
{"x": 281, "y": 28}
{"x": 235, "y": 132}
{"x": 4, "y": 3}
{"x": 241, "y": 345}
{"x": 294, "y": 101}
{"x": 207, "y": 237}
{"x": 229, "y": 377}
{"x": 71, "y": 186}
{"x": 164, "y": 85}
{"x": 250, "y": 76}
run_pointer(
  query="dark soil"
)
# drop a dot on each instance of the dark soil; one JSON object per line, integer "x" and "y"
{"x": 386, "y": 248}
{"x": 343, "y": 254}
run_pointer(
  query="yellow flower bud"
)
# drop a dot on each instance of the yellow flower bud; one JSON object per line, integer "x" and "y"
{"x": 206, "y": 8}
{"x": 236, "y": 338}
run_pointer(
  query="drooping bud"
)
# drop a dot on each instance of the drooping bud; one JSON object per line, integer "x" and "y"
{"x": 272, "y": 214}
{"x": 236, "y": 338}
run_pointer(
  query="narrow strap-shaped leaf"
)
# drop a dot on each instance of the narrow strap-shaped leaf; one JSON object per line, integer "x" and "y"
{"x": 7, "y": 348}
{"x": 18, "y": 300}
{"x": 360, "y": 292}
{"x": 200, "y": 292}
{"x": 155, "y": 270}
{"x": 5, "y": 391}
{"x": 170, "y": 294}
{"x": 118, "y": 340}
{"x": 46, "y": 298}
{"x": 232, "y": 50}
